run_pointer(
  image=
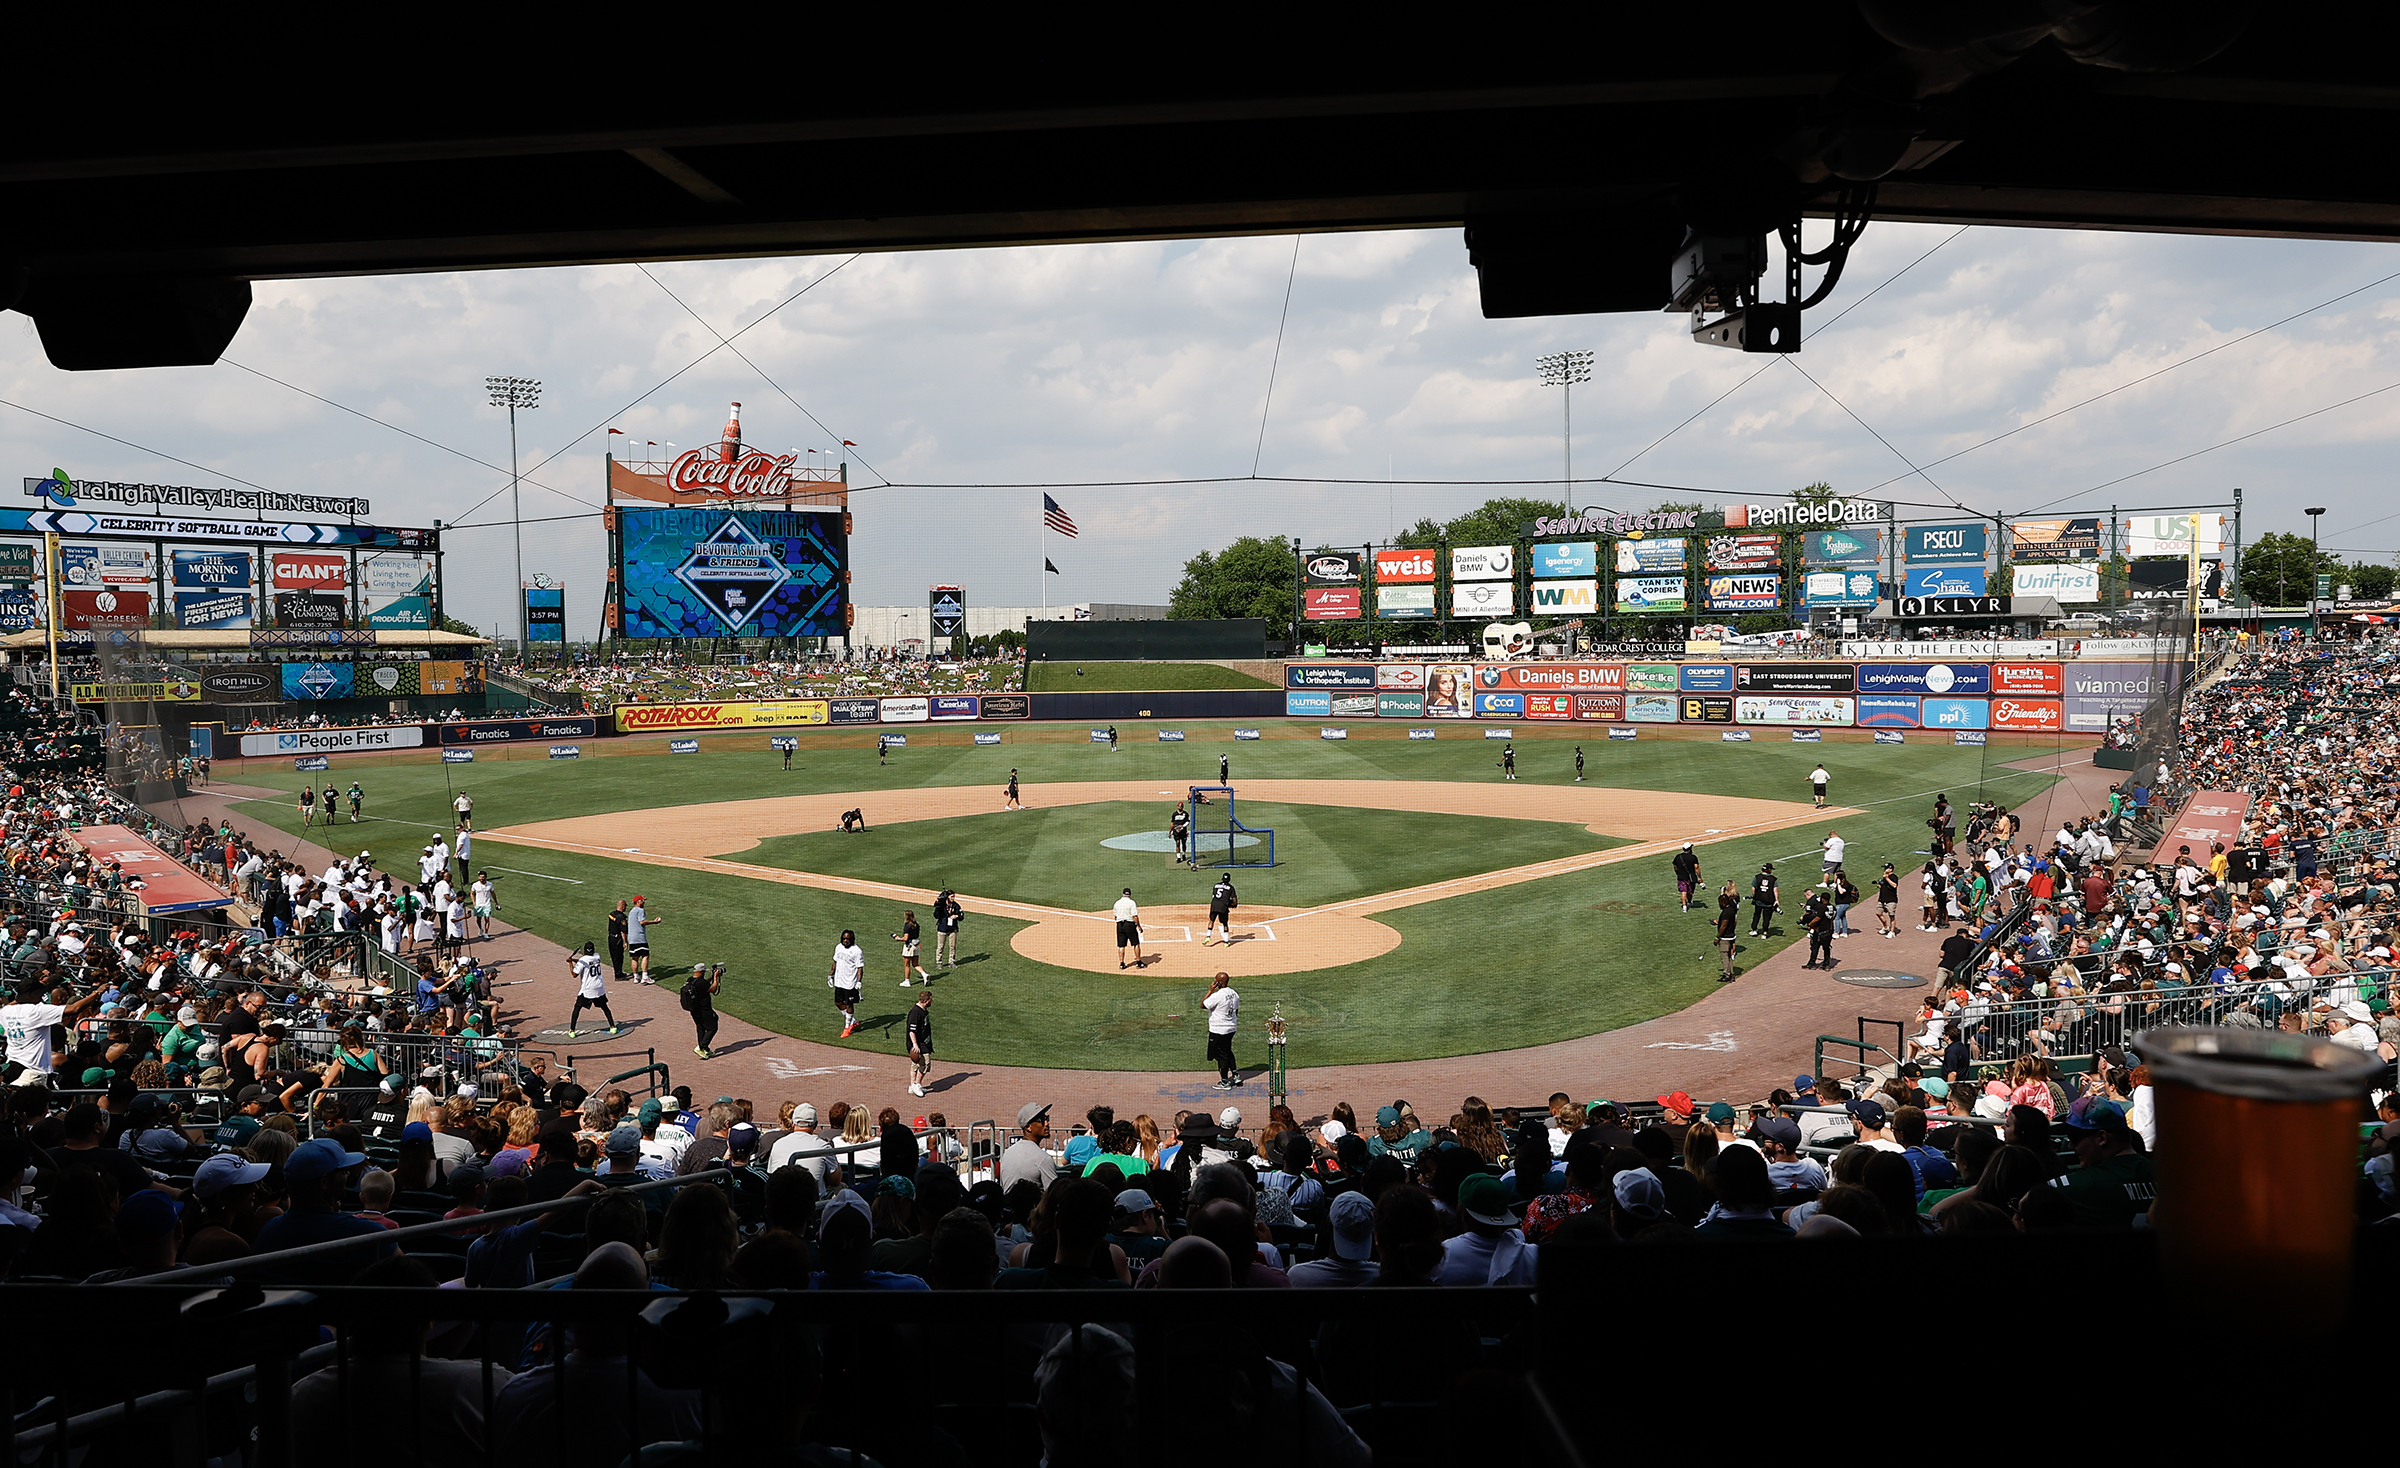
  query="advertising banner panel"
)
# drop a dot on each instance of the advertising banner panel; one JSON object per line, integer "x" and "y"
{"x": 946, "y": 610}
{"x": 307, "y": 571}
{"x": 1742, "y": 552}
{"x": 1400, "y": 675}
{"x": 2172, "y": 535}
{"x": 2056, "y": 540}
{"x": 2123, "y": 688}
{"x": 1450, "y": 691}
{"x": 1482, "y": 562}
{"x": 1328, "y": 675}
{"x": 125, "y": 565}
{"x": 1483, "y": 599}
{"x": 1707, "y": 677}
{"x": 1638, "y": 594}
{"x": 1004, "y": 706}
{"x": 399, "y": 591}
{"x": 1404, "y": 564}
{"x": 1878, "y": 711}
{"x": 1652, "y": 677}
{"x": 1745, "y": 593}
{"x": 1955, "y": 713}
{"x": 1406, "y": 602}
{"x": 1942, "y": 581}
{"x": 1572, "y": 558}
{"x": 1862, "y": 547}
{"x": 212, "y": 610}
{"x": 213, "y": 570}
{"x": 1777, "y": 708}
{"x": 1840, "y": 589}
{"x": 1499, "y": 705}
{"x": 1549, "y": 705}
{"x": 2025, "y": 678}
{"x": 2033, "y": 715}
{"x": 954, "y": 706}
{"x": 837, "y": 711}
{"x": 1332, "y": 603}
{"x": 1652, "y": 557}
{"x": 707, "y": 571}
{"x": 16, "y": 564}
{"x": 108, "y": 608}
{"x": 310, "y": 610}
{"x": 1566, "y": 598}
{"x": 516, "y": 731}
{"x": 20, "y": 610}
{"x": 1333, "y": 568}
{"x": 1352, "y": 705}
{"x": 1708, "y": 708}
{"x": 318, "y": 680}
{"x": 1650, "y": 708}
{"x": 1310, "y": 704}
{"x": 1940, "y": 678}
{"x": 1554, "y": 676}
{"x": 1965, "y": 542}
{"x": 1400, "y": 705}
{"x": 387, "y": 680}
{"x": 636, "y": 718}
{"x": 447, "y": 676}
{"x": 2171, "y": 580}
{"x": 903, "y": 710}
{"x": 334, "y": 741}
{"x": 2067, "y": 583}
{"x": 1792, "y": 678}
{"x": 1601, "y": 707}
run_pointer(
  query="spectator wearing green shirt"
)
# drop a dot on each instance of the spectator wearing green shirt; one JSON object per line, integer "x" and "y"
{"x": 1396, "y": 1135}
{"x": 2115, "y": 1180}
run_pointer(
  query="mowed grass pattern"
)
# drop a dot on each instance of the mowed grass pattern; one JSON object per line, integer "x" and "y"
{"x": 1521, "y": 965}
{"x": 1072, "y": 677}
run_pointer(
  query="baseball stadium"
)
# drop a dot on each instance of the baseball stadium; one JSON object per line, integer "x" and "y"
{"x": 560, "y": 934}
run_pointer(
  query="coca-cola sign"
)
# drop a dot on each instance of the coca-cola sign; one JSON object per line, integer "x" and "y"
{"x": 754, "y": 475}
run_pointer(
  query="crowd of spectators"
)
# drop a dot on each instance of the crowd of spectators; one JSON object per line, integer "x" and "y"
{"x": 664, "y": 677}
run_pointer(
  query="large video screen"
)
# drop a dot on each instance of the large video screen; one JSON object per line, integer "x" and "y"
{"x": 705, "y": 572}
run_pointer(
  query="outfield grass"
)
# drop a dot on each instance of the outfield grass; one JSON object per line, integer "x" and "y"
{"x": 1053, "y": 856}
{"x": 1133, "y": 677}
{"x": 1521, "y": 965}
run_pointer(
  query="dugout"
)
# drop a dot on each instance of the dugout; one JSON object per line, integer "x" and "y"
{"x": 1146, "y": 640}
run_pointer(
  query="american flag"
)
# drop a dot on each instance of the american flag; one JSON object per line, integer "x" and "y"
{"x": 1056, "y": 518}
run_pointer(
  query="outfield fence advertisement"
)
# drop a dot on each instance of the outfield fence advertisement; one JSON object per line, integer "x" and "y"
{"x": 333, "y": 741}
{"x": 637, "y": 718}
{"x": 1755, "y": 708}
{"x": 517, "y": 731}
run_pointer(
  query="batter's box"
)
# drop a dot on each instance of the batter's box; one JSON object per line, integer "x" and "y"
{"x": 1165, "y": 933}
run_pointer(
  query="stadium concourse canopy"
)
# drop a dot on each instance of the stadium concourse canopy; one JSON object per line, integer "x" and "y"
{"x": 1576, "y": 150}
{"x": 187, "y": 640}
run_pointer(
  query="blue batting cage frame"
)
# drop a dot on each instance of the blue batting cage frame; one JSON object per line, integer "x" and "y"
{"x": 1228, "y": 830}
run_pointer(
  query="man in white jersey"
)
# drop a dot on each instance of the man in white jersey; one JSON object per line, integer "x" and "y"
{"x": 28, "y": 1022}
{"x": 848, "y": 975}
{"x": 591, "y": 987}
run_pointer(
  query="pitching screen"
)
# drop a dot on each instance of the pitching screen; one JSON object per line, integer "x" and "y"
{"x": 729, "y": 573}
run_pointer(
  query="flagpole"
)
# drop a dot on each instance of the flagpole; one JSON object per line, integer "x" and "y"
{"x": 1041, "y": 573}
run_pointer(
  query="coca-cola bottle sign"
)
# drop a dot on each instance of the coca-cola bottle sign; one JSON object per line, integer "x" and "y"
{"x": 755, "y": 475}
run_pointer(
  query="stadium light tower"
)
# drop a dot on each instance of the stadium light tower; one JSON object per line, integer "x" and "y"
{"x": 1563, "y": 370}
{"x": 513, "y": 393}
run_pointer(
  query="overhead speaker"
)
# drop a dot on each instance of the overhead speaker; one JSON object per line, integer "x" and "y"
{"x": 1572, "y": 263}
{"x": 92, "y": 323}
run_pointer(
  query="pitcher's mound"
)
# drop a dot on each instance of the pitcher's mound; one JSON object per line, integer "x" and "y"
{"x": 1262, "y": 942}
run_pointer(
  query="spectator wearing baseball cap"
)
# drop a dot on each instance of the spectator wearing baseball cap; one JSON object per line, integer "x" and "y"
{"x": 226, "y": 1187}
{"x": 1492, "y": 1250}
{"x": 1027, "y": 1160}
{"x": 2114, "y": 1180}
{"x": 1637, "y": 1202}
{"x": 1778, "y": 1139}
{"x": 1135, "y": 1228}
{"x": 317, "y": 1172}
{"x": 1872, "y": 1119}
{"x": 1352, "y": 1262}
{"x": 1679, "y": 1107}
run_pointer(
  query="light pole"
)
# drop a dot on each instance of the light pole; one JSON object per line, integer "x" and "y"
{"x": 2314, "y": 555}
{"x": 1564, "y": 370}
{"x": 513, "y": 393}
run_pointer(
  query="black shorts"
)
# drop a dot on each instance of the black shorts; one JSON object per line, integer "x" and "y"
{"x": 1220, "y": 915}
{"x": 1819, "y": 789}
{"x": 638, "y": 950}
{"x": 1128, "y": 934}
{"x": 844, "y": 996}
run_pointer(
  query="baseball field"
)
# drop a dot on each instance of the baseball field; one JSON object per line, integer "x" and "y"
{"x": 1419, "y": 905}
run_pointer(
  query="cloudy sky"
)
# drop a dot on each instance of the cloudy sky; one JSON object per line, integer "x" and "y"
{"x": 1151, "y": 361}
